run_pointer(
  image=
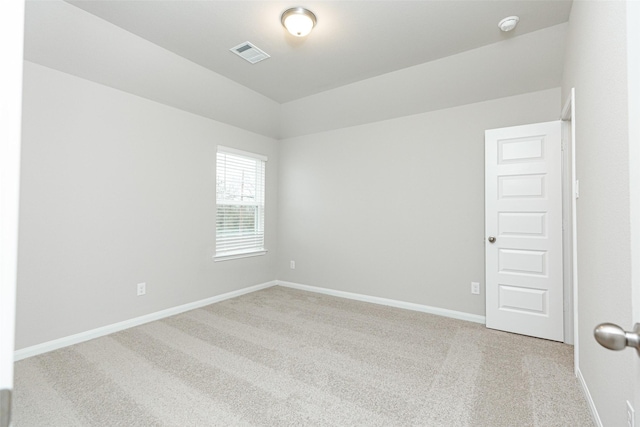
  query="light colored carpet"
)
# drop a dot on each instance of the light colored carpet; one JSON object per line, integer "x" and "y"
{"x": 283, "y": 357}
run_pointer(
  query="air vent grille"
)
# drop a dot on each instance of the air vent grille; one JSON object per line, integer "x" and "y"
{"x": 250, "y": 52}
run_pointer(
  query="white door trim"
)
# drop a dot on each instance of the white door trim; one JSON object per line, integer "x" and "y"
{"x": 11, "y": 46}
{"x": 633, "y": 75}
{"x": 567, "y": 246}
{"x": 633, "y": 64}
{"x": 569, "y": 115}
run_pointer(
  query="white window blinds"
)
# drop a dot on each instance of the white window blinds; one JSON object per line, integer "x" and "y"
{"x": 240, "y": 203}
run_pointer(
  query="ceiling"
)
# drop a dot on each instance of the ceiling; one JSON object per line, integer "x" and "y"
{"x": 353, "y": 40}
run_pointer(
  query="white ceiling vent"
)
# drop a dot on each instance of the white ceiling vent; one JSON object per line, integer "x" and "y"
{"x": 249, "y": 52}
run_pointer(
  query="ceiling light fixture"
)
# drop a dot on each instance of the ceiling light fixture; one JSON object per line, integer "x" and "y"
{"x": 508, "y": 23}
{"x": 298, "y": 21}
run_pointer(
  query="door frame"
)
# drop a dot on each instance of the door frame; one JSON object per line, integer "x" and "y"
{"x": 11, "y": 46}
{"x": 633, "y": 91}
{"x": 570, "y": 237}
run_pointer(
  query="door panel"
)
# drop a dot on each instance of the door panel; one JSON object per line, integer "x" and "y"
{"x": 524, "y": 213}
{"x": 521, "y": 186}
{"x": 521, "y": 262}
{"x": 520, "y": 150}
{"x": 523, "y": 299}
{"x": 521, "y": 224}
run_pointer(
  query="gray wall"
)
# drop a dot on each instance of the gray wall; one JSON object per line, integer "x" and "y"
{"x": 596, "y": 66}
{"x": 395, "y": 209}
{"x": 116, "y": 190}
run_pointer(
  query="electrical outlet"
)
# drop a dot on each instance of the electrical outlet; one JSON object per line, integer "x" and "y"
{"x": 142, "y": 288}
{"x": 475, "y": 288}
{"x": 292, "y": 265}
{"x": 631, "y": 415}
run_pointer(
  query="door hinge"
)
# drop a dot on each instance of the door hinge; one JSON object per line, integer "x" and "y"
{"x": 5, "y": 408}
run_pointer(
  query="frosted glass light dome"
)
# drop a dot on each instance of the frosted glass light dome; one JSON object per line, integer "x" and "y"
{"x": 298, "y": 21}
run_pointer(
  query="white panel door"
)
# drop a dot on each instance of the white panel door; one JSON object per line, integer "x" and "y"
{"x": 523, "y": 225}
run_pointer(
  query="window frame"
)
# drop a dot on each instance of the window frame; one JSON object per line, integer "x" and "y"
{"x": 260, "y": 205}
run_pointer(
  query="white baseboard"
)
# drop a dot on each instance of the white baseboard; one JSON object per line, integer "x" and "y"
{"x": 116, "y": 327}
{"x": 587, "y": 395}
{"x": 385, "y": 301}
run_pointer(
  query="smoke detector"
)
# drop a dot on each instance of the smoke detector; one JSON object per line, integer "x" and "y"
{"x": 508, "y": 23}
{"x": 250, "y": 52}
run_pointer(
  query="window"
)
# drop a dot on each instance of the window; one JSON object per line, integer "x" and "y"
{"x": 240, "y": 204}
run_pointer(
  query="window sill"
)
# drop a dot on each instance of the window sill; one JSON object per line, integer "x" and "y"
{"x": 218, "y": 258}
